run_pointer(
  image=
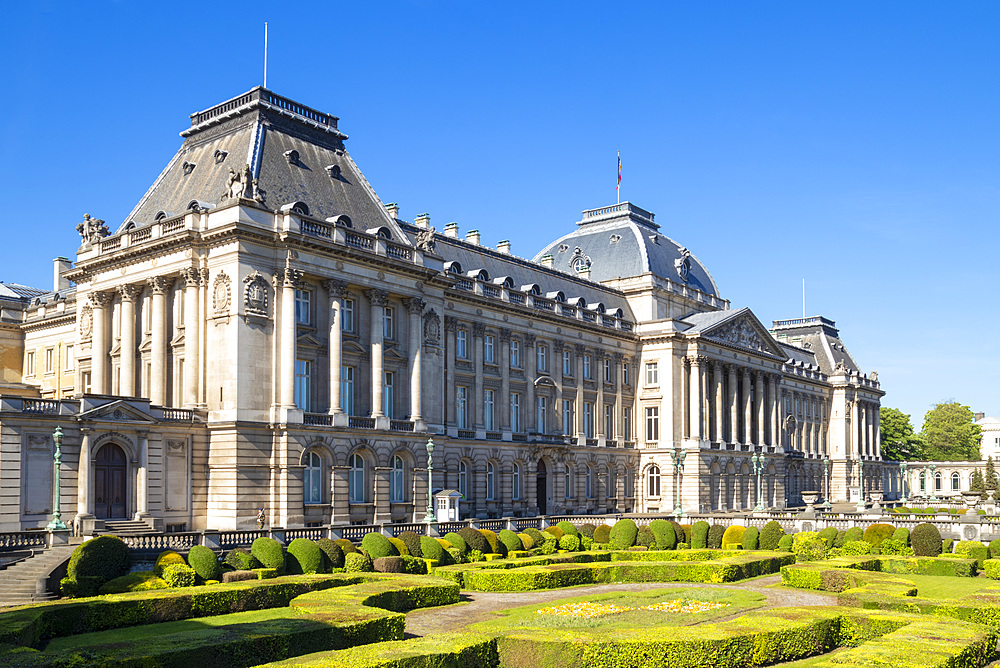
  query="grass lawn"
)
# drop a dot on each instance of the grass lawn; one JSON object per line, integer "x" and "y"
{"x": 942, "y": 586}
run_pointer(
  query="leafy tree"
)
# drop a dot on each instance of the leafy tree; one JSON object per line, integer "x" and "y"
{"x": 977, "y": 484}
{"x": 899, "y": 443}
{"x": 950, "y": 433}
{"x": 991, "y": 474}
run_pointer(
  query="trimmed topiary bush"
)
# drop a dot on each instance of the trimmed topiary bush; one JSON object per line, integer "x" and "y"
{"x": 876, "y": 533}
{"x": 239, "y": 576}
{"x": 347, "y": 546}
{"x": 946, "y": 545}
{"x": 925, "y": 539}
{"x": 304, "y": 557}
{"x": 973, "y": 549}
{"x": 587, "y": 530}
{"x": 496, "y": 547}
{"x": 569, "y": 542}
{"x": 829, "y": 534}
{"x": 586, "y": 544}
{"x": 839, "y": 540}
{"x": 456, "y": 554}
{"x": 733, "y": 535}
{"x": 994, "y": 548}
{"x": 139, "y": 581}
{"x": 771, "y": 535}
{"x": 785, "y": 543}
{"x": 663, "y": 532}
{"x": 854, "y": 548}
{"x": 399, "y": 545}
{"x": 808, "y": 546}
{"x": 699, "y": 535}
{"x": 555, "y": 531}
{"x": 474, "y": 540}
{"x": 854, "y": 533}
{"x": 240, "y": 559}
{"x": 568, "y": 528}
{"x": 682, "y": 532}
{"x": 623, "y": 534}
{"x": 902, "y": 534}
{"x": 893, "y": 547}
{"x": 536, "y": 535}
{"x": 412, "y": 542}
{"x": 456, "y": 541}
{"x": 333, "y": 555}
{"x": 715, "y": 534}
{"x": 432, "y": 549}
{"x": 645, "y": 537}
{"x": 204, "y": 562}
{"x": 164, "y": 559}
{"x": 179, "y": 575}
{"x": 527, "y": 541}
{"x": 751, "y": 538}
{"x": 103, "y": 558}
{"x": 269, "y": 553}
{"x": 389, "y": 565}
{"x": 602, "y": 534}
{"x": 510, "y": 540}
{"x": 355, "y": 562}
{"x": 378, "y": 546}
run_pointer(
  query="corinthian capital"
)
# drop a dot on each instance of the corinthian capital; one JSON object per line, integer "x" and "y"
{"x": 190, "y": 277}
{"x": 334, "y": 287}
{"x": 128, "y": 292}
{"x": 158, "y": 285}
{"x": 100, "y": 299}
{"x": 414, "y": 304}
{"x": 377, "y": 297}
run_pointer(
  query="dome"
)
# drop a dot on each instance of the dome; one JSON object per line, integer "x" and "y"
{"x": 621, "y": 241}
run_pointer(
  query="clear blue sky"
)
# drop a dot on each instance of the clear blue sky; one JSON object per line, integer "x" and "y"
{"x": 851, "y": 144}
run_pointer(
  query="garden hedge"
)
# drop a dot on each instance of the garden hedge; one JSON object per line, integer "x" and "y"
{"x": 682, "y": 532}
{"x": 495, "y": 546}
{"x": 204, "y": 562}
{"x": 164, "y": 559}
{"x": 645, "y": 537}
{"x": 829, "y": 534}
{"x": 902, "y": 534}
{"x": 355, "y": 562}
{"x": 138, "y": 581}
{"x": 925, "y": 539}
{"x": 474, "y": 540}
{"x": 527, "y": 542}
{"x": 587, "y": 529}
{"x": 770, "y": 535}
{"x": 602, "y": 534}
{"x": 733, "y": 535}
{"x": 179, "y": 575}
{"x": 854, "y": 533}
{"x": 333, "y": 555}
{"x": 240, "y": 559}
{"x": 400, "y": 546}
{"x": 699, "y": 535}
{"x": 378, "y": 546}
{"x": 568, "y": 527}
{"x": 623, "y": 534}
{"x": 456, "y": 541}
{"x": 874, "y": 534}
{"x": 714, "y": 538}
{"x": 555, "y": 531}
{"x": 269, "y": 553}
{"x": 510, "y": 540}
{"x": 412, "y": 542}
{"x": 751, "y": 538}
{"x": 569, "y": 542}
{"x": 973, "y": 549}
{"x": 304, "y": 556}
{"x": 346, "y": 545}
{"x": 664, "y": 535}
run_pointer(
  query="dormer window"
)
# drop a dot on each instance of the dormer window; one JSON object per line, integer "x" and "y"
{"x": 188, "y": 167}
{"x": 220, "y": 155}
{"x": 292, "y": 156}
{"x": 333, "y": 171}
{"x": 160, "y": 215}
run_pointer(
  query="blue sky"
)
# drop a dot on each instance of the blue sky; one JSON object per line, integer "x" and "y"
{"x": 854, "y": 145}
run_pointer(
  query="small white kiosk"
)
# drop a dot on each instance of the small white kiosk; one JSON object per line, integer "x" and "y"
{"x": 446, "y": 508}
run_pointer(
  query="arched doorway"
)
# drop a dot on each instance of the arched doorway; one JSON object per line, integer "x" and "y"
{"x": 541, "y": 489}
{"x": 110, "y": 467}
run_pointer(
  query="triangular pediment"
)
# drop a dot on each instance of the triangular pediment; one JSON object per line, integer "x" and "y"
{"x": 394, "y": 354}
{"x": 309, "y": 341}
{"x": 118, "y": 411}
{"x": 744, "y": 331}
{"x": 354, "y": 347}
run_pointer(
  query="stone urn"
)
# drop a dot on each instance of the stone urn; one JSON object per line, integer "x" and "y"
{"x": 809, "y": 498}
{"x": 971, "y": 499}
{"x": 876, "y": 496}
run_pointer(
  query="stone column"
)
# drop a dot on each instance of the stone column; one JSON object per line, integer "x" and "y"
{"x": 378, "y": 299}
{"x": 191, "y": 336}
{"x": 774, "y": 397}
{"x": 580, "y": 350}
{"x": 557, "y": 379}
{"x": 878, "y": 431}
{"x": 530, "y": 373}
{"x": 83, "y": 476}
{"x": 758, "y": 400}
{"x": 335, "y": 289}
{"x": 478, "y": 332}
{"x": 734, "y": 415}
{"x": 158, "y": 286}
{"x": 695, "y": 395}
{"x": 126, "y": 383}
{"x": 599, "y": 430}
{"x": 747, "y": 409}
{"x": 289, "y": 280}
{"x": 99, "y": 343}
{"x": 450, "y": 325}
{"x": 870, "y": 420}
{"x": 142, "y": 479}
{"x": 619, "y": 409}
{"x": 503, "y": 409}
{"x": 415, "y": 308}
{"x": 720, "y": 414}
{"x": 202, "y": 337}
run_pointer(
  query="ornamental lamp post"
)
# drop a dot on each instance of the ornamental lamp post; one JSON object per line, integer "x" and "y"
{"x": 678, "y": 456}
{"x": 826, "y": 505}
{"x": 429, "y": 515}
{"x": 57, "y": 524}
{"x": 757, "y": 460}
{"x": 932, "y": 482}
{"x": 902, "y": 480}
{"x": 861, "y": 486}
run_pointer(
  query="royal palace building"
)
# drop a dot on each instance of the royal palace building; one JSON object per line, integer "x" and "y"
{"x": 262, "y": 331}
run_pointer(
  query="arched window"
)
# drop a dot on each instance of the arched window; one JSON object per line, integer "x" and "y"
{"x": 590, "y": 482}
{"x": 397, "y": 490}
{"x": 491, "y": 481}
{"x": 956, "y": 483}
{"x": 610, "y": 475}
{"x": 568, "y": 483}
{"x": 654, "y": 480}
{"x": 516, "y": 482}
{"x": 314, "y": 478}
{"x": 937, "y": 481}
{"x": 923, "y": 482}
{"x": 356, "y": 483}
{"x": 463, "y": 479}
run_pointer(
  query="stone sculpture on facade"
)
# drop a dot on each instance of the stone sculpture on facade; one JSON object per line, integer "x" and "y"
{"x": 92, "y": 229}
{"x": 425, "y": 240}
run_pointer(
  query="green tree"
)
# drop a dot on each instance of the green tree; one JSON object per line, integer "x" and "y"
{"x": 899, "y": 443}
{"x": 977, "y": 484}
{"x": 950, "y": 434}
{"x": 991, "y": 475}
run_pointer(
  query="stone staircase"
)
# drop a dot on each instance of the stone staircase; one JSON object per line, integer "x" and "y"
{"x": 126, "y": 528}
{"x": 24, "y": 582}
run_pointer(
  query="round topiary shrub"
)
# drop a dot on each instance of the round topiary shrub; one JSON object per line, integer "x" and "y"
{"x": 140, "y": 581}
{"x": 893, "y": 547}
{"x": 304, "y": 557}
{"x": 347, "y": 546}
{"x": 164, "y": 559}
{"x": 456, "y": 541}
{"x": 602, "y": 534}
{"x": 876, "y": 533}
{"x": 902, "y": 534}
{"x": 829, "y": 534}
{"x": 399, "y": 545}
{"x": 568, "y": 528}
{"x": 456, "y": 555}
{"x": 925, "y": 539}
{"x": 333, "y": 556}
{"x": 681, "y": 532}
{"x": 204, "y": 562}
{"x": 355, "y": 562}
{"x": 269, "y": 553}
{"x": 496, "y": 547}
{"x": 699, "y": 535}
{"x": 715, "y": 534}
{"x": 808, "y": 546}
{"x": 527, "y": 541}
{"x": 389, "y": 565}
{"x": 663, "y": 533}
{"x": 771, "y": 535}
{"x": 586, "y": 544}
{"x": 103, "y": 558}
{"x": 732, "y": 536}
{"x": 972, "y": 549}
{"x": 587, "y": 530}
{"x": 179, "y": 575}
{"x": 240, "y": 559}
{"x": 555, "y": 531}
{"x": 645, "y": 537}
{"x": 994, "y": 548}
{"x": 854, "y": 533}
{"x": 474, "y": 540}
{"x": 946, "y": 545}
{"x": 751, "y": 538}
{"x": 431, "y": 549}
{"x": 412, "y": 542}
{"x": 536, "y": 536}
{"x": 839, "y": 540}
{"x": 855, "y": 548}
{"x": 623, "y": 534}
{"x": 569, "y": 542}
{"x": 785, "y": 542}
{"x": 378, "y": 546}
{"x": 510, "y": 540}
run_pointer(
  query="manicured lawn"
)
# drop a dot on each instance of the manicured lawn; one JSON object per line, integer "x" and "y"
{"x": 940, "y": 586}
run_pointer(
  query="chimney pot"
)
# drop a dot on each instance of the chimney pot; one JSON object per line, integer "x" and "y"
{"x": 548, "y": 261}
{"x": 393, "y": 209}
{"x": 423, "y": 220}
{"x": 472, "y": 236}
{"x": 451, "y": 230}
{"x": 504, "y": 247}
{"x": 60, "y": 266}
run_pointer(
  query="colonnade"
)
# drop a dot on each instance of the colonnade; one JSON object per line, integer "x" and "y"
{"x": 869, "y": 428}
{"x": 726, "y": 402}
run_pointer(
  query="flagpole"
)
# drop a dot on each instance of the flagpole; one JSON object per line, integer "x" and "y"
{"x": 618, "y": 188}
{"x": 265, "y": 54}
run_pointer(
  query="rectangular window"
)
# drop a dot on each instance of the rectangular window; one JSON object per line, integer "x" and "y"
{"x": 652, "y": 373}
{"x": 462, "y": 407}
{"x": 347, "y": 389}
{"x": 347, "y": 315}
{"x": 542, "y": 362}
{"x": 303, "y": 299}
{"x": 389, "y": 323}
{"x": 588, "y": 419}
{"x": 489, "y": 406}
{"x": 652, "y": 424}
{"x": 609, "y": 427}
{"x": 387, "y": 396}
{"x": 587, "y": 370}
{"x": 70, "y": 360}
{"x": 515, "y": 412}
{"x": 515, "y": 354}
{"x": 541, "y": 414}
{"x": 85, "y": 380}
{"x": 607, "y": 371}
{"x": 461, "y": 343}
{"x": 627, "y": 423}
{"x": 567, "y": 417}
{"x": 488, "y": 349}
{"x": 50, "y": 357}
{"x": 302, "y": 389}
{"x": 625, "y": 373}
{"x": 567, "y": 364}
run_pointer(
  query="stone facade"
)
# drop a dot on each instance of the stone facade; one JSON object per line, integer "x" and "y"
{"x": 263, "y": 332}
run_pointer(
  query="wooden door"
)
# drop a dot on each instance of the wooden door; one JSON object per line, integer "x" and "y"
{"x": 110, "y": 490}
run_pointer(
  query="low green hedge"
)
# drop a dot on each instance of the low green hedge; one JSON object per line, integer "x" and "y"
{"x": 179, "y": 575}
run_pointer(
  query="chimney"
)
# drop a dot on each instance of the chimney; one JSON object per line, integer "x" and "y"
{"x": 583, "y": 273}
{"x": 504, "y": 247}
{"x": 979, "y": 416}
{"x": 423, "y": 220}
{"x": 393, "y": 209}
{"x": 451, "y": 230}
{"x": 61, "y": 265}
{"x": 472, "y": 236}
{"x": 548, "y": 261}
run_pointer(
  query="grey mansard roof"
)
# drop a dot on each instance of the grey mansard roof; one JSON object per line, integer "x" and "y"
{"x": 621, "y": 241}
{"x": 820, "y": 337}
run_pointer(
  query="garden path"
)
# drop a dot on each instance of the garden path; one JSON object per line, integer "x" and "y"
{"x": 479, "y": 606}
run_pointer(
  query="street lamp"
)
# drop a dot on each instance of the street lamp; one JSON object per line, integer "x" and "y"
{"x": 826, "y": 505}
{"x": 932, "y": 482}
{"x": 57, "y": 524}
{"x": 861, "y": 486}
{"x": 902, "y": 480}
{"x": 429, "y": 515}
{"x": 678, "y": 456}
{"x": 758, "y": 468}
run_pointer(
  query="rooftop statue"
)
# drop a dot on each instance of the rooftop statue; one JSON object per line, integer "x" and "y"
{"x": 92, "y": 229}
{"x": 425, "y": 240}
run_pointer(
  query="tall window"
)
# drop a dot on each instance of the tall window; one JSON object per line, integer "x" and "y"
{"x": 50, "y": 357}
{"x": 629, "y": 483}
{"x": 589, "y": 482}
{"x": 568, "y": 482}
{"x": 29, "y": 364}
{"x": 627, "y": 423}
{"x": 937, "y": 481}
{"x": 462, "y": 407}
{"x": 625, "y": 373}
{"x": 515, "y": 412}
{"x": 587, "y": 367}
{"x": 567, "y": 364}
{"x": 609, "y": 427}
{"x": 541, "y": 414}
{"x": 347, "y": 315}
{"x": 588, "y": 419}
{"x": 302, "y": 390}
{"x": 607, "y": 371}
{"x": 68, "y": 365}
{"x": 314, "y": 478}
{"x": 653, "y": 423}
{"x": 652, "y": 373}
{"x": 541, "y": 355}
{"x": 488, "y": 355}
{"x": 303, "y": 300}
{"x": 611, "y": 475}
{"x": 347, "y": 389}
{"x": 462, "y": 343}
{"x": 567, "y": 417}
{"x": 515, "y": 354}
{"x": 387, "y": 394}
{"x": 489, "y": 406}
{"x": 397, "y": 488}
{"x": 389, "y": 323}
{"x": 491, "y": 481}
{"x": 356, "y": 481}
{"x": 516, "y": 482}
{"x": 654, "y": 480}
{"x": 463, "y": 479}
{"x": 956, "y": 483}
